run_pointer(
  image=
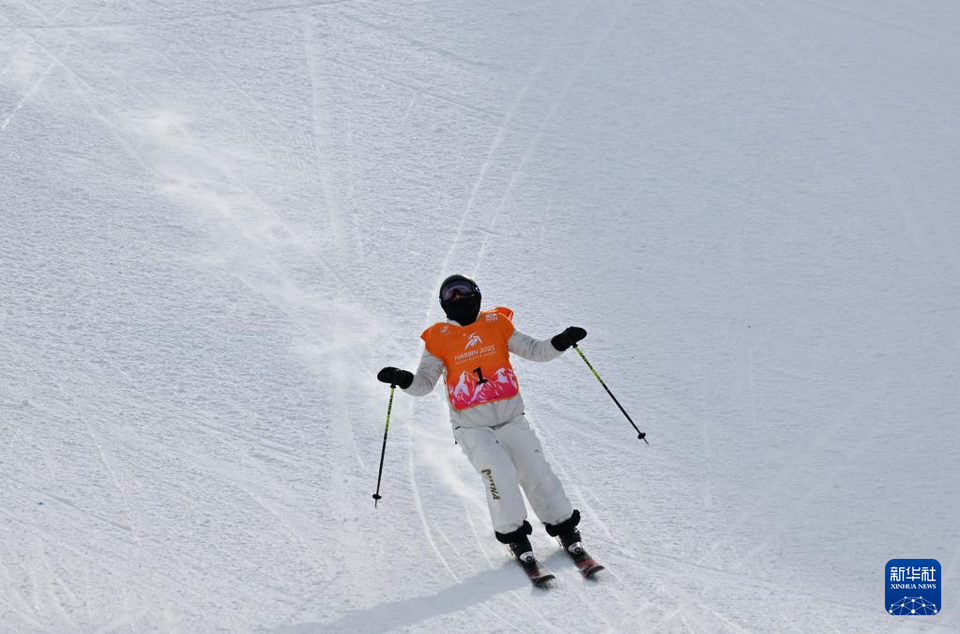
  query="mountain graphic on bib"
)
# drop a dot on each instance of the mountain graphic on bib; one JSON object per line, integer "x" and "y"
{"x": 469, "y": 391}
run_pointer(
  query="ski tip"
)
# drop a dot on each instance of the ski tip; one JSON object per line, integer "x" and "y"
{"x": 544, "y": 581}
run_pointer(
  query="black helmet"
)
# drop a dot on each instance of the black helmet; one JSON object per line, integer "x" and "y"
{"x": 460, "y": 299}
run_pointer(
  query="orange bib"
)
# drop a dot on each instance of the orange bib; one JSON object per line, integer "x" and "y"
{"x": 476, "y": 358}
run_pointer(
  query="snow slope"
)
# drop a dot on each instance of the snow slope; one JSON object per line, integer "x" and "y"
{"x": 220, "y": 219}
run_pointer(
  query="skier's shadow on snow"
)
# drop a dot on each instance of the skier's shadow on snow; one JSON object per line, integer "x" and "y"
{"x": 388, "y": 616}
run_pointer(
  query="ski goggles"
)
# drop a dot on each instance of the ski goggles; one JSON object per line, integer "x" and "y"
{"x": 458, "y": 287}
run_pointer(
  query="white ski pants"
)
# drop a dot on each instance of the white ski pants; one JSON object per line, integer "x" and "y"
{"x": 508, "y": 457}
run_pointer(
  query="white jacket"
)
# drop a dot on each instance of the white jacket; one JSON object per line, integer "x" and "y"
{"x": 431, "y": 368}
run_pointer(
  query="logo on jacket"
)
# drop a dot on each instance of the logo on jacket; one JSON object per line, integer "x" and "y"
{"x": 474, "y": 340}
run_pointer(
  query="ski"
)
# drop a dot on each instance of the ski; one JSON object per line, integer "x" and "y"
{"x": 585, "y": 563}
{"x": 537, "y": 575}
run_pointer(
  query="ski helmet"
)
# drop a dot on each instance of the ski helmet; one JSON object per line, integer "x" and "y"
{"x": 460, "y": 299}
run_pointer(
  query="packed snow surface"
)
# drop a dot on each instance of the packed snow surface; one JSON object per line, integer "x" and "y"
{"x": 221, "y": 218}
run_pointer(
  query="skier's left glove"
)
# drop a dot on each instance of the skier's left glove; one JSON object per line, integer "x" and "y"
{"x": 395, "y": 376}
{"x": 568, "y": 337}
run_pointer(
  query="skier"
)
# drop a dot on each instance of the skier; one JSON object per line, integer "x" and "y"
{"x": 471, "y": 350}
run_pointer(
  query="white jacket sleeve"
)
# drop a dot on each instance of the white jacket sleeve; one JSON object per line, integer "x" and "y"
{"x": 428, "y": 372}
{"x": 525, "y": 346}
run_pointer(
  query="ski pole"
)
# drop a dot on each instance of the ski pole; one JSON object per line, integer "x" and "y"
{"x": 383, "y": 451}
{"x": 642, "y": 435}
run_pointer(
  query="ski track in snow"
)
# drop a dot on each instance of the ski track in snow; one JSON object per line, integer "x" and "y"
{"x": 495, "y": 144}
{"x": 44, "y": 75}
{"x": 95, "y": 26}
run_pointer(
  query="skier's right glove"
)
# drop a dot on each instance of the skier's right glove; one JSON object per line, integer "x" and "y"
{"x": 568, "y": 337}
{"x": 395, "y": 376}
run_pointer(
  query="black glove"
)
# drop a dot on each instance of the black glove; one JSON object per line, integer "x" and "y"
{"x": 395, "y": 376}
{"x": 568, "y": 337}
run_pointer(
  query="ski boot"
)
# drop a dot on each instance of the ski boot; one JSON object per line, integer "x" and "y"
{"x": 571, "y": 541}
{"x": 522, "y": 549}
{"x": 519, "y": 545}
{"x": 569, "y": 537}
